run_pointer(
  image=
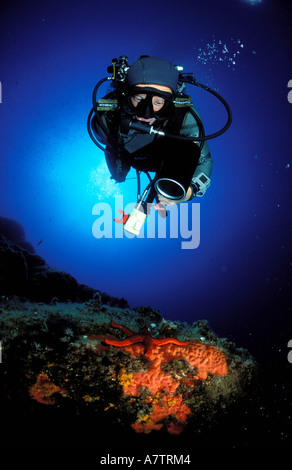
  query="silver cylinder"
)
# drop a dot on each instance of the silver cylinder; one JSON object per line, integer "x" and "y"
{"x": 170, "y": 189}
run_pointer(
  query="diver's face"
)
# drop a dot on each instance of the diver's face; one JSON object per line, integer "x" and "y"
{"x": 157, "y": 104}
{"x": 157, "y": 101}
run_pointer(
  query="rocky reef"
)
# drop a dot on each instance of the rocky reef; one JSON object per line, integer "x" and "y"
{"x": 24, "y": 273}
{"x": 80, "y": 368}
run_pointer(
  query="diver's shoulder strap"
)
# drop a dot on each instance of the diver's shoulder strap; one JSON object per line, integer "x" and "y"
{"x": 107, "y": 104}
{"x": 183, "y": 102}
{"x": 111, "y": 104}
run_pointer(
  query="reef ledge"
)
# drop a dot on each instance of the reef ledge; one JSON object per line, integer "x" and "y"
{"x": 71, "y": 379}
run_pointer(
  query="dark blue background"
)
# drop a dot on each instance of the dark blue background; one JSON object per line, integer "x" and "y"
{"x": 52, "y": 55}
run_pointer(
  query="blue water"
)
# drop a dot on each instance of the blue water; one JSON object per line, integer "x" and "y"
{"x": 52, "y": 55}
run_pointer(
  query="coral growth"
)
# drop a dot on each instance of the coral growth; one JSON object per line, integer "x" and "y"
{"x": 44, "y": 390}
{"x": 56, "y": 351}
{"x": 54, "y": 368}
{"x": 162, "y": 387}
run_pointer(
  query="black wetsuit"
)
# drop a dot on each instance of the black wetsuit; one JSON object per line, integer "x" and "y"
{"x": 152, "y": 153}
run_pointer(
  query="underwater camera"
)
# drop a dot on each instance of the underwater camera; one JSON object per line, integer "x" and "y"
{"x": 172, "y": 183}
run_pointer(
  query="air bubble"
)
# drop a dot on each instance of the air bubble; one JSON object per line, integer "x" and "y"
{"x": 218, "y": 51}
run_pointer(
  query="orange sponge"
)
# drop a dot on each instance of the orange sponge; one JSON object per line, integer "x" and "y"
{"x": 204, "y": 359}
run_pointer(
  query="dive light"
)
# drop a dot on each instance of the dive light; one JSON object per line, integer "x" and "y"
{"x": 136, "y": 220}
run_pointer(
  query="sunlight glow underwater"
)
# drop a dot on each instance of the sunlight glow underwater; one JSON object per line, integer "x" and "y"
{"x": 100, "y": 183}
{"x": 78, "y": 179}
{"x": 67, "y": 176}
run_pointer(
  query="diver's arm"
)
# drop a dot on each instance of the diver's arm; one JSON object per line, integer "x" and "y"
{"x": 205, "y": 165}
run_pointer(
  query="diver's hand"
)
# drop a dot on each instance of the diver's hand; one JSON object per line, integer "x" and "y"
{"x": 166, "y": 202}
{"x": 171, "y": 202}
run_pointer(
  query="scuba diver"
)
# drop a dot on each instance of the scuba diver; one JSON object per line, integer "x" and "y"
{"x": 148, "y": 123}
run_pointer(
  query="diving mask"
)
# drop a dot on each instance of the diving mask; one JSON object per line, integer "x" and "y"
{"x": 148, "y": 102}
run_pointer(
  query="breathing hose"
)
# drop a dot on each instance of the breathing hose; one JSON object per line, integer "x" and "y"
{"x": 95, "y": 111}
{"x": 150, "y": 129}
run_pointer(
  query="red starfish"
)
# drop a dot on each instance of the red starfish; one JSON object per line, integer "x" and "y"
{"x": 144, "y": 338}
